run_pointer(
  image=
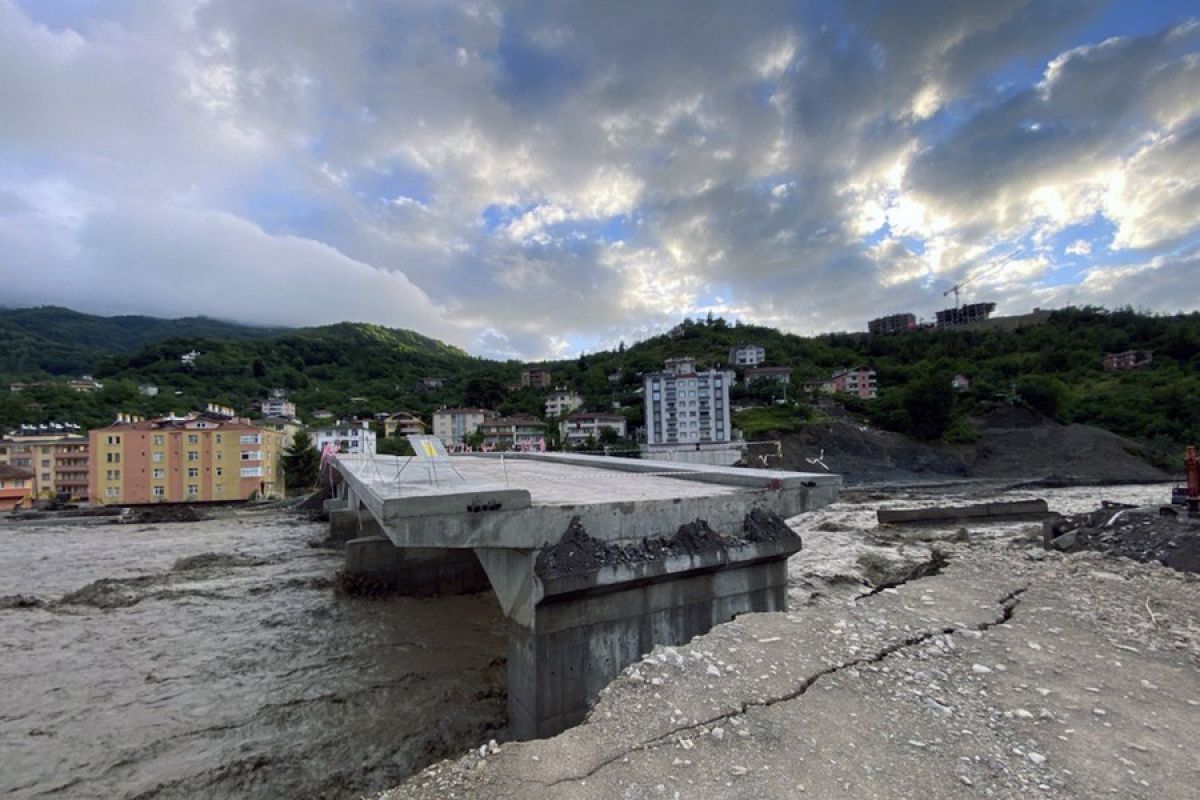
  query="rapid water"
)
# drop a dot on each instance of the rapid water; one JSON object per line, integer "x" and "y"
{"x": 214, "y": 659}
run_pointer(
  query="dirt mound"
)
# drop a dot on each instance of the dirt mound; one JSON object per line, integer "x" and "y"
{"x": 1012, "y": 443}
{"x": 210, "y": 560}
{"x": 861, "y": 454}
{"x": 1066, "y": 453}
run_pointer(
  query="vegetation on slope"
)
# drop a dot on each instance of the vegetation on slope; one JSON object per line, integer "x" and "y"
{"x": 354, "y": 368}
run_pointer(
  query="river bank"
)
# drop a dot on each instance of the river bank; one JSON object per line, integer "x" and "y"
{"x": 988, "y": 667}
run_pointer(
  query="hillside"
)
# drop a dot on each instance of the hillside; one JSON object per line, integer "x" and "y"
{"x": 59, "y": 341}
{"x": 1053, "y": 368}
{"x": 346, "y": 367}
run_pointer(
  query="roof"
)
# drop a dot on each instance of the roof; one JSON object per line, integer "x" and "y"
{"x": 9, "y": 471}
{"x": 596, "y": 415}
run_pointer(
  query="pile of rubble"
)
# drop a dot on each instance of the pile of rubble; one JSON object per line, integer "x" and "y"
{"x": 1146, "y": 534}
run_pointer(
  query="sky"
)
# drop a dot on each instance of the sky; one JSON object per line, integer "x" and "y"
{"x": 533, "y": 180}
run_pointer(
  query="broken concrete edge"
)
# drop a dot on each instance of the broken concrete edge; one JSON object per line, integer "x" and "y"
{"x": 693, "y": 545}
{"x": 1014, "y": 510}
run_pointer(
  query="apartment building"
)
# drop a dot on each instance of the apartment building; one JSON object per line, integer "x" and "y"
{"x": 277, "y": 405}
{"x": 747, "y": 355}
{"x": 577, "y": 428}
{"x": 55, "y": 455}
{"x": 536, "y": 377}
{"x": 454, "y": 425}
{"x": 562, "y": 401}
{"x": 684, "y": 406}
{"x": 511, "y": 433}
{"x": 195, "y": 458}
{"x": 350, "y": 436}
{"x": 893, "y": 323}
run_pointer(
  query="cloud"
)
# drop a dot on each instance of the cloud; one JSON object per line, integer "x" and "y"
{"x": 523, "y": 178}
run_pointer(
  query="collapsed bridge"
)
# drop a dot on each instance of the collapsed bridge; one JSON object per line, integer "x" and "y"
{"x": 595, "y": 560}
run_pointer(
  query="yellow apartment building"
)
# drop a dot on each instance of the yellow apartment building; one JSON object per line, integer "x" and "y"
{"x": 58, "y": 461}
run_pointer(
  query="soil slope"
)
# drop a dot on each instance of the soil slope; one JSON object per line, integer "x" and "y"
{"x": 1013, "y": 443}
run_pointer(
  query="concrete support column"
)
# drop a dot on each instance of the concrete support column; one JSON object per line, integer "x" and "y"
{"x": 570, "y": 635}
{"x": 414, "y": 571}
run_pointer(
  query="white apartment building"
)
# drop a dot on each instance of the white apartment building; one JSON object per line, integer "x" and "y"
{"x": 562, "y": 401}
{"x": 353, "y": 437}
{"x": 454, "y": 425}
{"x": 684, "y": 406}
{"x": 747, "y": 355}
{"x": 576, "y": 428}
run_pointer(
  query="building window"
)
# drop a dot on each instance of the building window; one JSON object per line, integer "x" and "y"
{"x": 158, "y": 457}
{"x": 219, "y": 488}
{"x": 45, "y": 477}
{"x": 252, "y": 438}
{"x": 193, "y": 489}
{"x": 114, "y": 439}
{"x": 158, "y": 473}
{"x": 218, "y": 438}
{"x": 193, "y": 455}
{"x": 193, "y": 438}
{"x": 193, "y": 472}
{"x": 256, "y": 455}
{"x": 113, "y": 458}
{"x": 251, "y": 472}
{"x": 220, "y": 471}
{"x": 158, "y": 440}
{"x": 160, "y": 491}
{"x": 113, "y": 475}
{"x": 112, "y": 491}
{"x": 45, "y": 462}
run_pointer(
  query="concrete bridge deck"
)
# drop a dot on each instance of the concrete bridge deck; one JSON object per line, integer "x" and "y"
{"x": 594, "y": 560}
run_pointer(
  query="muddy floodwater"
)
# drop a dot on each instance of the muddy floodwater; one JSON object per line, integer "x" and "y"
{"x": 214, "y": 659}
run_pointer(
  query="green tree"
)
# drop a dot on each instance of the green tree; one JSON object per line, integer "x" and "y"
{"x": 929, "y": 401}
{"x": 394, "y": 446}
{"x": 301, "y": 462}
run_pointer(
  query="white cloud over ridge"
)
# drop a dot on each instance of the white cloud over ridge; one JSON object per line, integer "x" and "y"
{"x": 517, "y": 178}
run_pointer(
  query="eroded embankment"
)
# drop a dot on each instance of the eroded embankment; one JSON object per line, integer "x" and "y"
{"x": 972, "y": 674}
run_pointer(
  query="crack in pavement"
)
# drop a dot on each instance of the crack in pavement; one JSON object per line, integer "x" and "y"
{"x": 1008, "y": 604}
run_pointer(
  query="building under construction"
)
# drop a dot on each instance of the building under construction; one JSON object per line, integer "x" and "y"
{"x": 895, "y": 323}
{"x": 964, "y": 315}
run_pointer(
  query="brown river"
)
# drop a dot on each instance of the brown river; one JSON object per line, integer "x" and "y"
{"x": 214, "y": 659}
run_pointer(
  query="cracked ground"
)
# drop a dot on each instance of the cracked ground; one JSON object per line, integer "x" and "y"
{"x": 1007, "y": 672}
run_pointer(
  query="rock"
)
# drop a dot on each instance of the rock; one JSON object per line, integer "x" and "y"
{"x": 980, "y": 669}
{"x": 1065, "y": 542}
{"x": 1037, "y": 758}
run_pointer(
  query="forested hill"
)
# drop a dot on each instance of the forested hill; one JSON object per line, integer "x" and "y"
{"x": 1055, "y": 368}
{"x": 356, "y": 368}
{"x": 59, "y": 341}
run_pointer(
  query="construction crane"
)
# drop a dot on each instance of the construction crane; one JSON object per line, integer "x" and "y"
{"x": 980, "y": 273}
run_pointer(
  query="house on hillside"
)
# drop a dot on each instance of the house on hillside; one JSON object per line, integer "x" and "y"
{"x": 536, "y": 377}
{"x": 353, "y": 437}
{"x": 511, "y": 433}
{"x": 782, "y": 375}
{"x": 859, "y": 381}
{"x": 747, "y": 355}
{"x": 1130, "y": 359}
{"x": 960, "y": 383}
{"x": 401, "y": 423}
{"x": 562, "y": 401}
